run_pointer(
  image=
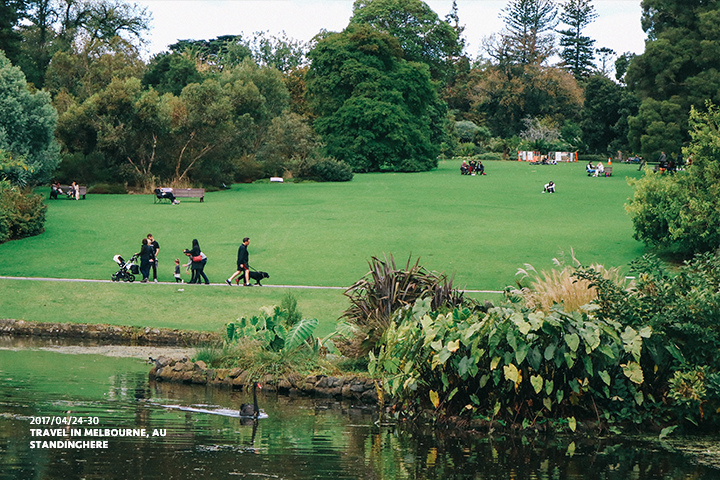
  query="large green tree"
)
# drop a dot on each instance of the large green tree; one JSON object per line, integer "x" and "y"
{"x": 681, "y": 213}
{"x": 577, "y": 49}
{"x": 27, "y": 122}
{"x": 422, "y": 35}
{"x": 375, "y": 110}
{"x": 605, "y": 112}
{"x": 678, "y": 69}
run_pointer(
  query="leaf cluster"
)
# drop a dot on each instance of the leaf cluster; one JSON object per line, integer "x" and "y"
{"x": 514, "y": 364}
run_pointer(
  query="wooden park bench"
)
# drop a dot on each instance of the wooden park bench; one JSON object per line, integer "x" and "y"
{"x": 606, "y": 173}
{"x": 183, "y": 193}
{"x": 65, "y": 189}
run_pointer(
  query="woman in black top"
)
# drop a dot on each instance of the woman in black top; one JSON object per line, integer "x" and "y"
{"x": 146, "y": 253}
{"x": 197, "y": 267}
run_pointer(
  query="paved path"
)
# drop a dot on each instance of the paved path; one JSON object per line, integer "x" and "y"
{"x": 308, "y": 287}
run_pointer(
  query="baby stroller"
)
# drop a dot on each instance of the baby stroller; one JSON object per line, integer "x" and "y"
{"x": 127, "y": 271}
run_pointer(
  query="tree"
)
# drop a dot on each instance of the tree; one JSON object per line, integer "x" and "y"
{"x": 503, "y": 96}
{"x": 422, "y": 35}
{"x": 11, "y": 12}
{"x": 678, "y": 68}
{"x": 577, "y": 49}
{"x": 81, "y": 27}
{"x": 374, "y": 110}
{"x": 604, "y": 115}
{"x": 171, "y": 72}
{"x": 27, "y": 123}
{"x": 528, "y": 37}
{"x": 680, "y": 213}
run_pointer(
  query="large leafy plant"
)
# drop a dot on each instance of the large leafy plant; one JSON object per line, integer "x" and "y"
{"x": 387, "y": 288}
{"x": 514, "y": 364}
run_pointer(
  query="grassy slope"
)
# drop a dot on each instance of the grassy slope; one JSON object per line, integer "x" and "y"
{"x": 479, "y": 228}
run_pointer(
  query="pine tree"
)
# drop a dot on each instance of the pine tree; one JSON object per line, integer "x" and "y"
{"x": 529, "y": 28}
{"x": 577, "y": 49}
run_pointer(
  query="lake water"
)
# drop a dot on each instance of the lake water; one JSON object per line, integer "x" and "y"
{"x": 302, "y": 438}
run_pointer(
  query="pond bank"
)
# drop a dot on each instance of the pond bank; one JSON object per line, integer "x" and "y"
{"x": 125, "y": 335}
{"x": 173, "y": 364}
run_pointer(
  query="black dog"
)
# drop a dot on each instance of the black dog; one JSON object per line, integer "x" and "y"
{"x": 257, "y": 276}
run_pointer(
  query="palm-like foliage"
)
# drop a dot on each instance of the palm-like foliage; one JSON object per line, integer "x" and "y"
{"x": 386, "y": 289}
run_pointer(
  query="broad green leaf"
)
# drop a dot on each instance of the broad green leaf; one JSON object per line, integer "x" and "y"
{"x": 300, "y": 332}
{"x": 453, "y": 346}
{"x": 494, "y": 363}
{"x": 463, "y": 365}
{"x": 549, "y": 386}
{"x": 536, "y": 320}
{"x": 444, "y": 355}
{"x": 667, "y": 431}
{"x": 570, "y": 450}
{"x": 572, "y": 423}
{"x": 634, "y": 372}
{"x": 496, "y": 408}
{"x": 474, "y": 399}
{"x": 547, "y": 403}
{"x": 588, "y": 365}
{"x": 549, "y": 352}
{"x": 537, "y": 382}
{"x": 639, "y": 398}
{"x": 434, "y": 398}
{"x": 437, "y": 345}
{"x": 560, "y": 395}
{"x": 573, "y": 341}
{"x": 452, "y": 394}
{"x": 512, "y": 341}
{"x": 605, "y": 377}
{"x": 632, "y": 342}
{"x": 521, "y": 353}
{"x": 646, "y": 331}
{"x": 569, "y": 360}
{"x": 591, "y": 336}
{"x": 520, "y": 322}
{"x": 483, "y": 380}
{"x": 511, "y": 373}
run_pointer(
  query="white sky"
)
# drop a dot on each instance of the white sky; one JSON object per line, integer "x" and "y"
{"x": 617, "y": 25}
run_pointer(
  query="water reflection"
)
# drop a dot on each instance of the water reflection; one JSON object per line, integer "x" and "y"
{"x": 301, "y": 439}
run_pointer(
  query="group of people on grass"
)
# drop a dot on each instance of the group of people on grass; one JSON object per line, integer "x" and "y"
{"x": 197, "y": 260}
{"x": 73, "y": 190}
{"x": 474, "y": 167}
{"x": 595, "y": 170}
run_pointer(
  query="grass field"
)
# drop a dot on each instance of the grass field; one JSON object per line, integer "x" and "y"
{"x": 481, "y": 229}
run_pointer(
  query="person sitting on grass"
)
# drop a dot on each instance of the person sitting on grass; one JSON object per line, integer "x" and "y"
{"x": 549, "y": 187}
{"x": 464, "y": 168}
{"x": 590, "y": 168}
{"x": 480, "y": 168}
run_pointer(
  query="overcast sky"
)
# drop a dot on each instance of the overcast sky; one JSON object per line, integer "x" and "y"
{"x": 617, "y": 25}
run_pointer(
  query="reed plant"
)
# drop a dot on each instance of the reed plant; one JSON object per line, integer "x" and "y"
{"x": 561, "y": 286}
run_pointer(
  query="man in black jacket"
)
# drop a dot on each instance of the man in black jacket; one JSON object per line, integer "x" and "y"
{"x": 242, "y": 263}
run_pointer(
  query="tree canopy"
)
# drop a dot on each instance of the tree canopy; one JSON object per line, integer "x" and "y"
{"x": 27, "y": 122}
{"x": 375, "y": 110}
{"x": 422, "y": 35}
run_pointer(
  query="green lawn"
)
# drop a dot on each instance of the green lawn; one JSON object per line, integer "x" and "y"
{"x": 481, "y": 229}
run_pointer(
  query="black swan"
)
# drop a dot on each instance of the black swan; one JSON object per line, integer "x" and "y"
{"x": 251, "y": 410}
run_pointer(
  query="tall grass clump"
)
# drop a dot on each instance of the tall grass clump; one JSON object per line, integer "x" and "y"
{"x": 561, "y": 285}
{"x": 387, "y": 288}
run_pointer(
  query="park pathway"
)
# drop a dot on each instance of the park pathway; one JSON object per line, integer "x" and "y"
{"x": 307, "y": 287}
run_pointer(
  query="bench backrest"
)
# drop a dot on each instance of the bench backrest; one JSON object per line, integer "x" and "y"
{"x": 82, "y": 188}
{"x": 189, "y": 192}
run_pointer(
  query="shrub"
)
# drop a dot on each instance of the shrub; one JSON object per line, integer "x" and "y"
{"x": 515, "y": 365}
{"x": 331, "y": 170}
{"x": 22, "y": 213}
{"x": 561, "y": 286}
{"x": 467, "y": 150}
{"x": 108, "y": 188}
{"x": 385, "y": 289}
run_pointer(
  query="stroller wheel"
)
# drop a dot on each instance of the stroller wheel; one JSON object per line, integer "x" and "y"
{"x": 115, "y": 278}
{"x": 130, "y": 277}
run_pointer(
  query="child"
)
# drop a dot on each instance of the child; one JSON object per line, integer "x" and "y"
{"x": 178, "y": 278}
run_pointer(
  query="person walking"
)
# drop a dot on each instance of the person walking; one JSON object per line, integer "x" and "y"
{"x": 146, "y": 252}
{"x": 199, "y": 259}
{"x": 243, "y": 268}
{"x": 156, "y": 249}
